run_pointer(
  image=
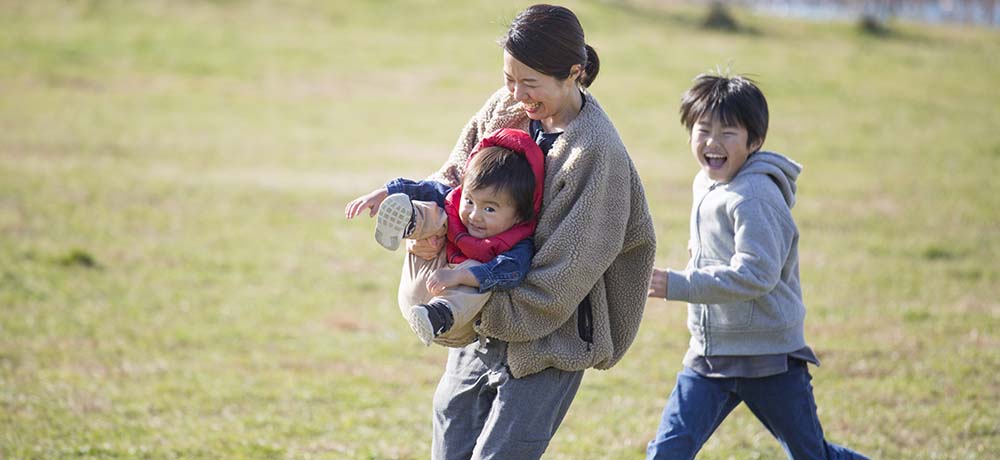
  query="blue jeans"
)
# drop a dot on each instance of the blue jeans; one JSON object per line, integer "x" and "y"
{"x": 783, "y": 403}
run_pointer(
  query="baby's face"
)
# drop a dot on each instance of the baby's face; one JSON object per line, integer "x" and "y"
{"x": 486, "y": 212}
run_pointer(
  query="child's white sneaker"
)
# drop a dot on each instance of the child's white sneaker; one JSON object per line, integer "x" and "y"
{"x": 420, "y": 322}
{"x": 395, "y": 216}
{"x": 430, "y": 320}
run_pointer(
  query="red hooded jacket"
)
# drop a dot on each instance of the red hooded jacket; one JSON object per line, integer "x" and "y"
{"x": 461, "y": 245}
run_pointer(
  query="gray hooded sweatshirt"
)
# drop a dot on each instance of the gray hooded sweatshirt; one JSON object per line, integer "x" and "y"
{"x": 742, "y": 282}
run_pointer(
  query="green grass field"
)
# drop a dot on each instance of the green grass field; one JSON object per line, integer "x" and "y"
{"x": 177, "y": 279}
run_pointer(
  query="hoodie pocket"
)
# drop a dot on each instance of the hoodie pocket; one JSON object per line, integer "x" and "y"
{"x": 730, "y": 315}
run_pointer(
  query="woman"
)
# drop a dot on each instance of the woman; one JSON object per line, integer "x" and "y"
{"x": 505, "y": 395}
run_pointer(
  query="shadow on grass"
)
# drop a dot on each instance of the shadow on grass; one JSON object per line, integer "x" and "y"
{"x": 77, "y": 257}
{"x": 885, "y": 32}
{"x": 718, "y": 18}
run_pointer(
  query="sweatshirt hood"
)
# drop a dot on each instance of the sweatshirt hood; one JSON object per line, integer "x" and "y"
{"x": 461, "y": 245}
{"x": 520, "y": 142}
{"x": 782, "y": 170}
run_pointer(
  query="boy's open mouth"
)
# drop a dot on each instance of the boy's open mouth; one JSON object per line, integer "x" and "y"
{"x": 715, "y": 160}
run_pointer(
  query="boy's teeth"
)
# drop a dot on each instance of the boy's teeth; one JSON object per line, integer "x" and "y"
{"x": 715, "y": 160}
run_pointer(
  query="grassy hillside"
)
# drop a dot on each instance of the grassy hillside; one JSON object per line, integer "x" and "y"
{"x": 177, "y": 279}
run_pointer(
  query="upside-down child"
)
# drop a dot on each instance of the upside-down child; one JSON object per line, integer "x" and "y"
{"x": 488, "y": 222}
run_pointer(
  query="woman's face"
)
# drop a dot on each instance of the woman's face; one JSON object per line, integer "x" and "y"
{"x": 542, "y": 97}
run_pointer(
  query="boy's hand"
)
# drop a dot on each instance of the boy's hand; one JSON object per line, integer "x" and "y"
{"x": 370, "y": 201}
{"x": 658, "y": 284}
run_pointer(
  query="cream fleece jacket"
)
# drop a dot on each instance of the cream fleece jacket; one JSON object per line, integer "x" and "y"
{"x": 594, "y": 237}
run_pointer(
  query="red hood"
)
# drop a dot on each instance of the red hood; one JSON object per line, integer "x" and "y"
{"x": 463, "y": 246}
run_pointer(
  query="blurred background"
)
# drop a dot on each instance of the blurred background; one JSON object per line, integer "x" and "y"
{"x": 965, "y": 12}
{"x": 177, "y": 279}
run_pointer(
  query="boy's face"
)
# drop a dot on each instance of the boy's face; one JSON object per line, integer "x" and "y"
{"x": 486, "y": 212}
{"x": 720, "y": 150}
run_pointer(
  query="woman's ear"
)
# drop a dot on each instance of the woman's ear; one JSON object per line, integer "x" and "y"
{"x": 575, "y": 72}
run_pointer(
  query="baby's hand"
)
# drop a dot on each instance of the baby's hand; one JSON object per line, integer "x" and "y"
{"x": 657, "y": 284}
{"x": 369, "y": 201}
{"x": 441, "y": 279}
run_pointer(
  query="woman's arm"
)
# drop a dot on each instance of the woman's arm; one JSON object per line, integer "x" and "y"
{"x": 584, "y": 225}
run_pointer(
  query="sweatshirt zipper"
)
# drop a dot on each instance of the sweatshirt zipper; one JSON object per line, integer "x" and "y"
{"x": 705, "y": 311}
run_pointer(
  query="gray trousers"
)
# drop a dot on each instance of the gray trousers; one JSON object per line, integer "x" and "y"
{"x": 481, "y": 412}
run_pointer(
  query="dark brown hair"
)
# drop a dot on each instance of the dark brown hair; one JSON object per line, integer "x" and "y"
{"x": 507, "y": 171}
{"x": 550, "y": 39}
{"x": 735, "y": 101}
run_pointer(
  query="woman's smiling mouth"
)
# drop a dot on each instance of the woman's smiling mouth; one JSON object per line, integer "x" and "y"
{"x": 531, "y": 107}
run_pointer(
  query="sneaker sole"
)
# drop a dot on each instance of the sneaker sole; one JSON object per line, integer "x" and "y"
{"x": 420, "y": 322}
{"x": 393, "y": 217}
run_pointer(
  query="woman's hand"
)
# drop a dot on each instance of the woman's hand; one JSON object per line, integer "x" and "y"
{"x": 427, "y": 249}
{"x": 658, "y": 284}
{"x": 369, "y": 201}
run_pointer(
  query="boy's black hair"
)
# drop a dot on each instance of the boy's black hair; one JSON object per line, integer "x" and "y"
{"x": 735, "y": 101}
{"x": 504, "y": 170}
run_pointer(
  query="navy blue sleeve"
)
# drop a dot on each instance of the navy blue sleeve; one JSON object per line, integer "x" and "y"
{"x": 424, "y": 190}
{"x": 507, "y": 270}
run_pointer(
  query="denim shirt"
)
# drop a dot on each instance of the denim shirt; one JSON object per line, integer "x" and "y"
{"x": 503, "y": 272}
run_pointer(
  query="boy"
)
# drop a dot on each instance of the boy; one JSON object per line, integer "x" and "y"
{"x": 487, "y": 221}
{"x": 745, "y": 310}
